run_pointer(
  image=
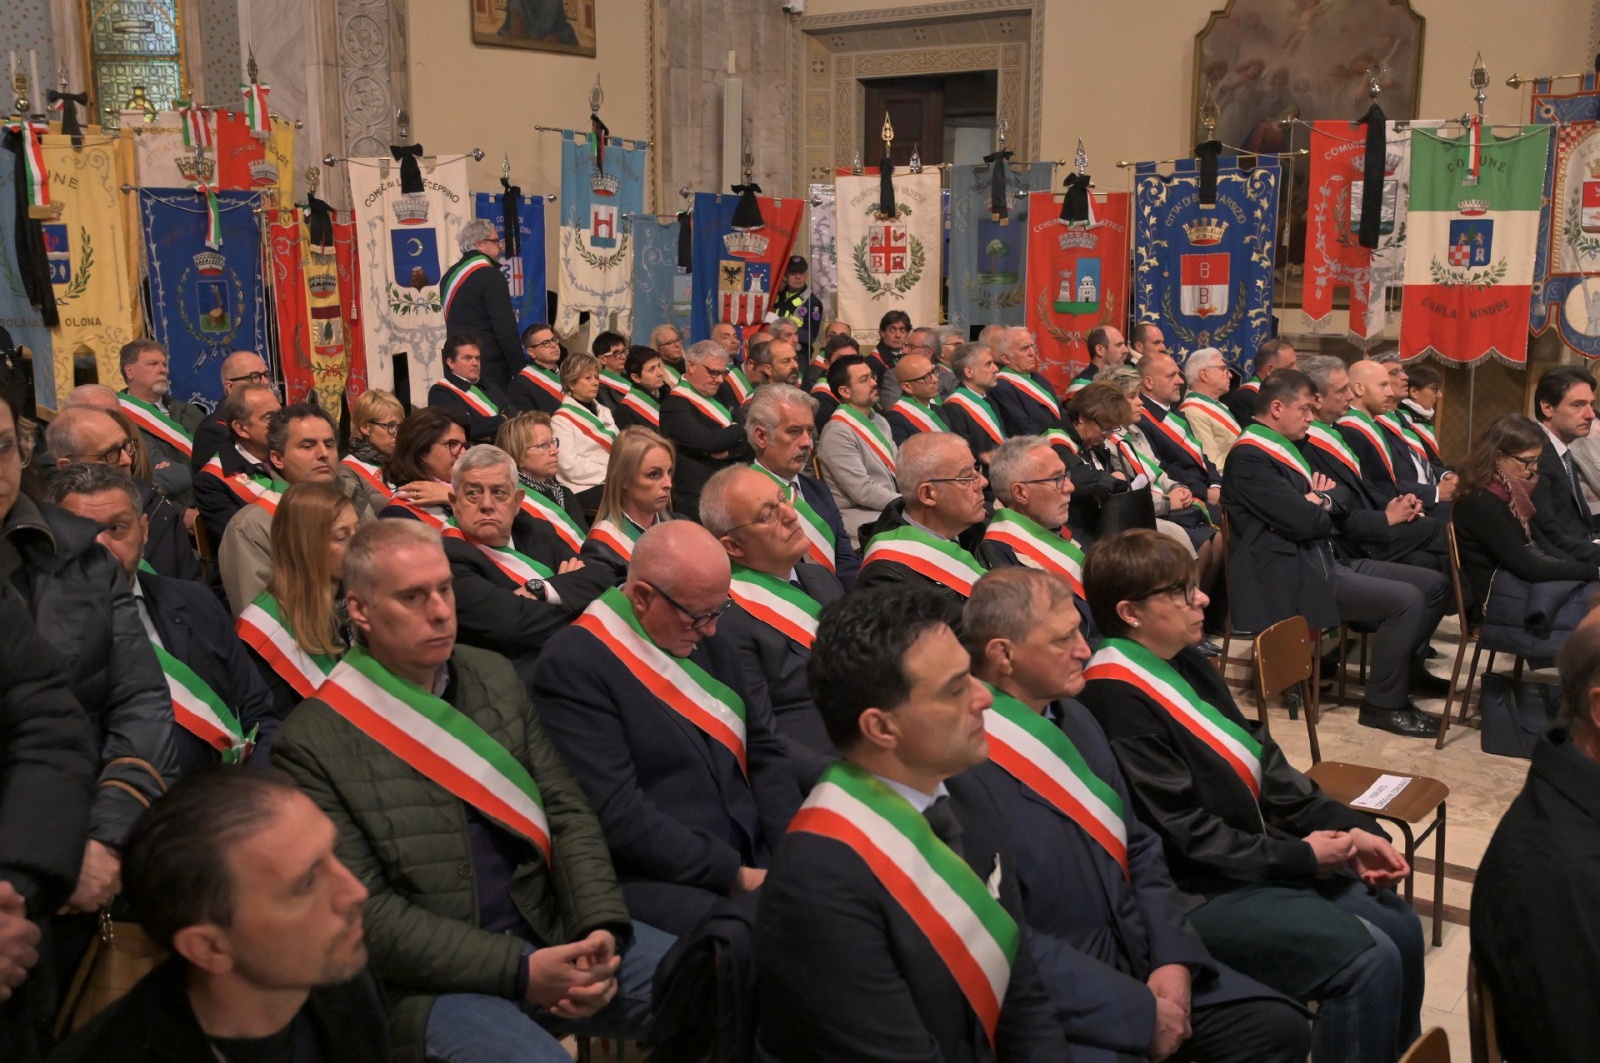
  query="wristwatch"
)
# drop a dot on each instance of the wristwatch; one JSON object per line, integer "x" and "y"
{"x": 535, "y": 587}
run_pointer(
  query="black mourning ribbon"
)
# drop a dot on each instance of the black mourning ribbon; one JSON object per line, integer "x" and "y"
{"x": 1372, "y": 175}
{"x": 1208, "y": 152}
{"x": 1075, "y": 204}
{"x": 32, "y": 261}
{"x": 410, "y": 172}
{"x": 998, "y": 209}
{"x": 886, "y": 204}
{"x": 510, "y": 221}
{"x": 69, "y": 114}
{"x": 319, "y": 222}
{"x": 686, "y": 241}
{"x": 747, "y": 212}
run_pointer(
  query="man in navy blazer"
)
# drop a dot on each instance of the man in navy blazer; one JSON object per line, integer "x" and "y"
{"x": 780, "y": 422}
{"x": 1127, "y": 973}
{"x": 1385, "y": 456}
{"x": 685, "y": 822}
{"x": 463, "y": 375}
{"x": 1564, "y": 403}
{"x": 1164, "y": 427}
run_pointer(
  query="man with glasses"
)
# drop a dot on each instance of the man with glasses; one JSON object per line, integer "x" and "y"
{"x": 1033, "y": 494}
{"x": 855, "y": 450}
{"x": 1172, "y": 441}
{"x": 700, "y": 425}
{"x": 674, "y": 748}
{"x": 780, "y": 423}
{"x": 917, "y": 408}
{"x": 1024, "y": 398}
{"x": 226, "y": 483}
{"x": 777, "y": 599}
{"x": 921, "y": 341}
{"x": 667, "y": 341}
{"x": 1213, "y": 425}
{"x": 610, "y": 349}
{"x": 517, "y": 582}
{"x": 477, "y": 300}
{"x": 537, "y": 383}
{"x": 238, "y": 369}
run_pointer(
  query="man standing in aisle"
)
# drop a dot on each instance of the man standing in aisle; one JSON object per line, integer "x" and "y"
{"x": 477, "y": 300}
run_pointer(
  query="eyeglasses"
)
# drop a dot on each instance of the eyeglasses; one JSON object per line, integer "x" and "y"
{"x": 932, "y": 374}
{"x": 919, "y": 347}
{"x": 111, "y": 454}
{"x": 697, "y": 621}
{"x": 1059, "y": 482}
{"x": 260, "y": 376}
{"x": 454, "y": 446}
{"x": 1527, "y": 463}
{"x": 968, "y": 477}
{"x": 769, "y": 515}
{"x": 388, "y": 426}
{"x": 18, "y": 449}
{"x": 552, "y": 444}
{"x": 474, "y": 494}
{"x": 716, "y": 374}
{"x": 1187, "y": 588}
{"x": 551, "y": 342}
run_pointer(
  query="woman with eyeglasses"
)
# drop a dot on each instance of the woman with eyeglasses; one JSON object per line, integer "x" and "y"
{"x": 641, "y": 406}
{"x": 374, "y": 420}
{"x": 585, "y": 429}
{"x": 637, "y": 497}
{"x": 532, "y": 444}
{"x": 1493, "y": 517}
{"x": 426, "y": 447}
{"x": 1291, "y": 885}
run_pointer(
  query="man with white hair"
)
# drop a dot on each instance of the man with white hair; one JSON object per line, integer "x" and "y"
{"x": 700, "y": 426}
{"x": 667, "y": 341}
{"x": 1026, "y": 401}
{"x": 477, "y": 299}
{"x": 780, "y": 422}
{"x": 1213, "y": 425}
{"x": 970, "y": 412}
{"x": 1033, "y": 494}
{"x": 238, "y": 369}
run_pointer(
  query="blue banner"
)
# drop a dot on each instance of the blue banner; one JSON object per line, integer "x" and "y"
{"x": 1205, "y": 274}
{"x": 987, "y": 257}
{"x": 1566, "y": 292}
{"x": 662, "y": 293}
{"x": 204, "y": 302}
{"x": 735, "y": 270}
{"x": 18, "y": 316}
{"x": 596, "y": 256}
{"x": 525, "y": 274}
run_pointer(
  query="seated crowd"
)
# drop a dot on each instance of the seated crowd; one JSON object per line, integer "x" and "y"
{"x": 835, "y": 702}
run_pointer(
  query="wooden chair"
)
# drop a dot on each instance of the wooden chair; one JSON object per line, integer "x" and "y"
{"x": 1469, "y": 631}
{"x": 1222, "y": 660}
{"x": 1284, "y": 658}
{"x": 1432, "y": 1047}
{"x": 204, "y": 547}
{"x": 1480, "y": 1019}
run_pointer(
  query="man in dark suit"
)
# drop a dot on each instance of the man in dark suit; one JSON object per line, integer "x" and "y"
{"x": 537, "y": 385}
{"x": 1271, "y": 356}
{"x": 238, "y": 370}
{"x": 217, "y": 493}
{"x": 465, "y": 389}
{"x": 780, "y": 423}
{"x": 1385, "y": 455}
{"x": 970, "y": 411}
{"x": 477, "y": 300}
{"x": 1564, "y": 404}
{"x": 893, "y": 329}
{"x": 702, "y": 428}
{"x": 846, "y": 958}
{"x": 1024, "y": 397}
{"x": 677, "y": 755}
{"x": 1171, "y": 438}
{"x": 777, "y": 596}
{"x": 1128, "y": 974}
{"x": 1283, "y": 559}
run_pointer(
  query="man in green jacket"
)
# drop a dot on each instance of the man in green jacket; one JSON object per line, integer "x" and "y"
{"x": 495, "y": 918}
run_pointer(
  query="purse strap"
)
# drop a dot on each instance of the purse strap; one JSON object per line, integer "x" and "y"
{"x": 137, "y": 762}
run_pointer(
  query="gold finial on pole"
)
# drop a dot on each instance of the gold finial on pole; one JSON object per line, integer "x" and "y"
{"x": 1210, "y": 113}
{"x": 888, "y": 135}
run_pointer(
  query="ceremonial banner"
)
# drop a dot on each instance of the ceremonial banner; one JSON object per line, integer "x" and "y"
{"x": 525, "y": 273}
{"x": 822, "y": 246}
{"x": 17, "y": 315}
{"x": 313, "y": 299}
{"x": 889, "y": 263}
{"x": 157, "y": 146}
{"x": 736, "y": 270}
{"x": 596, "y": 268}
{"x": 1334, "y": 255}
{"x": 1077, "y": 279}
{"x": 1205, "y": 274}
{"x": 289, "y": 304}
{"x": 405, "y": 243}
{"x": 1469, "y": 273}
{"x": 987, "y": 257}
{"x": 1566, "y": 288}
{"x": 87, "y": 244}
{"x": 661, "y": 291}
{"x": 206, "y": 301}
{"x": 346, "y": 244}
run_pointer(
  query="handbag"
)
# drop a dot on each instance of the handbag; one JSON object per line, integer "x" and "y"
{"x": 1124, "y": 510}
{"x": 1513, "y": 714}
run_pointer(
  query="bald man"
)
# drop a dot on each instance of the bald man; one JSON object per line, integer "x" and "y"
{"x": 675, "y": 750}
{"x": 1371, "y": 430}
{"x": 238, "y": 369}
{"x": 917, "y": 408}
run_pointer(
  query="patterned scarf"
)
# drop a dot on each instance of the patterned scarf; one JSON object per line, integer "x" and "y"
{"x": 549, "y": 488}
{"x": 1517, "y": 495}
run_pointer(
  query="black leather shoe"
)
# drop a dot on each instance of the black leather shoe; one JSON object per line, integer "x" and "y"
{"x": 1429, "y": 685}
{"x": 1209, "y": 648}
{"x": 1405, "y": 722}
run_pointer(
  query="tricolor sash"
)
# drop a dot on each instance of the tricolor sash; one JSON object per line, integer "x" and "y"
{"x": 1139, "y": 464}
{"x": 615, "y": 382}
{"x": 248, "y": 487}
{"x": 973, "y": 934}
{"x": 434, "y": 516}
{"x": 922, "y": 418}
{"x": 1040, "y": 756}
{"x": 474, "y": 397}
{"x": 1058, "y": 437}
{"x": 1362, "y": 422}
{"x": 1195, "y": 404}
{"x": 1403, "y": 429}
{"x": 588, "y": 425}
{"x": 153, "y": 419}
{"x": 1275, "y": 446}
{"x": 821, "y": 543}
{"x": 371, "y": 475}
{"x": 1327, "y": 440}
{"x": 1129, "y": 662}
{"x": 539, "y": 507}
{"x": 544, "y": 379}
{"x": 439, "y": 741}
{"x": 1077, "y": 384}
{"x": 864, "y": 429}
{"x": 776, "y": 603}
{"x": 710, "y": 408}
{"x": 518, "y": 567}
{"x": 679, "y": 683}
{"x": 740, "y": 384}
{"x": 1251, "y": 385}
{"x": 1424, "y": 432}
{"x": 1038, "y": 546}
{"x": 643, "y": 405}
{"x": 673, "y": 374}
{"x": 201, "y": 712}
{"x": 1030, "y": 387}
{"x": 821, "y": 389}
{"x": 977, "y": 407}
{"x": 619, "y": 538}
{"x": 938, "y": 560}
{"x": 450, "y": 283}
{"x": 264, "y": 629}
{"x": 1176, "y": 429}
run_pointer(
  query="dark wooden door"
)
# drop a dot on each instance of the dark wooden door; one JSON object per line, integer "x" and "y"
{"x": 916, "y": 110}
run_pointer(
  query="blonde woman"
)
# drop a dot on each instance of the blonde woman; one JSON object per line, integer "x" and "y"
{"x": 374, "y": 421}
{"x": 585, "y": 429}
{"x": 532, "y": 444}
{"x": 637, "y": 496}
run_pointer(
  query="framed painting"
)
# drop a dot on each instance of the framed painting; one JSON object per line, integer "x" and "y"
{"x": 565, "y": 26}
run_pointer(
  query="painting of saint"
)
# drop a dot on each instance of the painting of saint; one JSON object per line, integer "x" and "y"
{"x": 541, "y": 25}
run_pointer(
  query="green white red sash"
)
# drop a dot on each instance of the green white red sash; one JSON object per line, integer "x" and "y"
{"x": 539, "y": 507}
{"x": 441, "y": 742}
{"x": 544, "y": 379}
{"x": 821, "y": 389}
{"x": 371, "y": 475}
{"x": 249, "y": 488}
{"x": 679, "y": 683}
{"x": 1251, "y": 385}
{"x": 1275, "y": 446}
{"x": 1139, "y": 464}
{"x": 975, "y": 937}
{"x": 517, "y": 566}
{"x": 588, "y": 425}
{"x": 740, "y": 384}
{"x": 35, "y": 175}
{"x": 451, "y": 283}
{"x": 643, "y": 405}
{"x": 1403, "y": 429}
{"x": 1195, "y": 404}
{"x": 1176, "y": 429}
{"x": 941, "y": 561}
{"x": 863, "y": 428}
{"x": 821, "y": 543}
{"x": 198, "y": 709}
{"x": 1330, "y": 442}
{"x": 1058, "y": 437}
{"x": 153, "y": 419}
{"x": 977, "y": 407}
{"x": 673, "y": 374}
{"x": 1041, "y": 757}
{"x": 473, "y": 396}
{"x": 776, "y": 603}
{"x": 615, "y": 382}
{"x": 264, "y": 629}
{"x": 922, "y": 418}
{"x": 1422, "y": 428}
{"x": 620, "y": 539}
{"x": 1030, "y": 387}
{"x": 434, "y": 516}
{"x": 1038, "y": 546}
{"x": 710, "y": 408}
{"x": 1362, "y": 422}
{"x": 1129, "y": 662}
{"x": 1077, "y": 384}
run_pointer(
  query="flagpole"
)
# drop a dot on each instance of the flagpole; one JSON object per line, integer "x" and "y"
{"x": 1479, "y": 80}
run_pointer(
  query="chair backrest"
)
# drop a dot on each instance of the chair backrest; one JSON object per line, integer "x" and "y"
{"x": 1455, "y": 579}
{"x": 204, "y": 547}
{"x": 1431, "y": 1047}
{"x": 1480, "y": 1019}
{"x": 1283, "y": 656}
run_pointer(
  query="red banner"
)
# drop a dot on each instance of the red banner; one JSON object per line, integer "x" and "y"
{"x": 241, "y": 158}
{"x": 289, "y": 303}
{"x": 314, "y": 292}
{"x": 1077, "y": 279}
{"x": 344, "y": 249}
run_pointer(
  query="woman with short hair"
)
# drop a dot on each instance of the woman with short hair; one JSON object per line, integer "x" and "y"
{"x": 374, "y": 420}
{"x": 585, "y": 429}
{"x": 637, "y": 496}
{"x": 426, "y": 447}
{"x": 641, "y": 406}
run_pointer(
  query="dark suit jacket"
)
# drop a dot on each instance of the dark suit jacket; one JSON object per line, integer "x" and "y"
{"x": 197, "y": 629}
{"x": 679, "y": 815}
{"x": 697, "y": 439}
{"x": 1241, "y": 402}
{"x": 964, "y": 425}
{"x": 1557, "y": 514}
{"x": 879, "y": 572}
{"x": 482, "y": 306}
{"x": 216, "y": 501}
{"x": 1000, "y": 555}
{"x": 1363, "y": 526}
{"x": 1198, "y": 477}
{"x": 212, "y": 437}
{"x": 524, "y": 396}
{"x": 168, "y": 547}
{"x": 1021, "y": 415}
{"x": 844, "y": 974}
{"x": 480, "y": 427}
{"x": 1385, "y": 486}
{"x": 1490, "y": 538}
{"x": 845, "y": 559}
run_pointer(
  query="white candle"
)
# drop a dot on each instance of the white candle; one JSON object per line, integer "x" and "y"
{"x": 33, "y": 69}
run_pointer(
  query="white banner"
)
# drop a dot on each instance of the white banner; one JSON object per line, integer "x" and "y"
{"x": 889, "y": 263}
{"x": 824, "y": 247}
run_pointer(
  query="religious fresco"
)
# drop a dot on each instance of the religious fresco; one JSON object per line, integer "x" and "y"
{"x": 565, "y": 26}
